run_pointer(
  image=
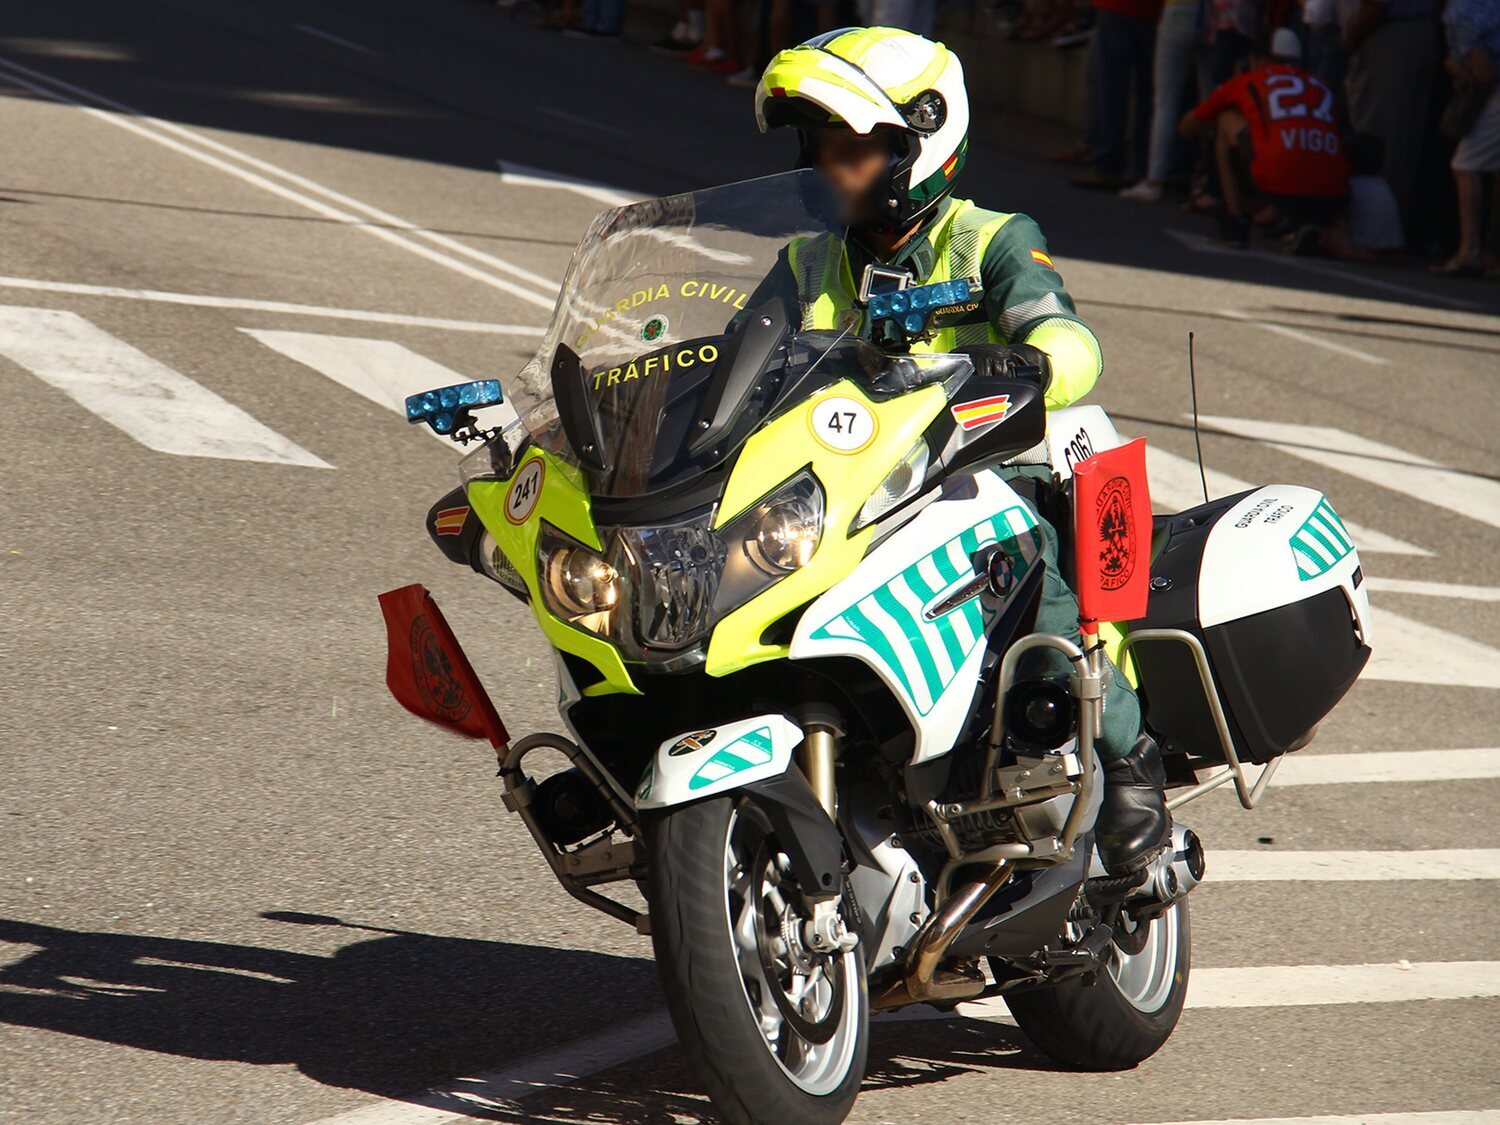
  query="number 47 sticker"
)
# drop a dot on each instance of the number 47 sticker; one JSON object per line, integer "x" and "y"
{"x": 844, "y": 425}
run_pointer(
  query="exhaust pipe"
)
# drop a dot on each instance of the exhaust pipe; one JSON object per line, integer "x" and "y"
{"x": 1179, "y": 868}
{"x": 922, "y": 982}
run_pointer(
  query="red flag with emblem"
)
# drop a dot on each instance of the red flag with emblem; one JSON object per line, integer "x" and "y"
{"x": 1112, "y": 535}
{"x": 428, "y": 672}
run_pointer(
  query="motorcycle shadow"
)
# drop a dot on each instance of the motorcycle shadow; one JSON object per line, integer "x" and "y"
{"x": 405, "y": 1011}
{"x": 391, "y": 1015}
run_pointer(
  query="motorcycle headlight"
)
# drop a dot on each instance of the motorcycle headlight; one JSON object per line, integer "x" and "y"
{"x": 786, "y": 534}
{"x": 578, "y": 584}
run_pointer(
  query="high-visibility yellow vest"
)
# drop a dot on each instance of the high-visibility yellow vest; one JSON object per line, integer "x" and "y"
{"x": 826, "y": 286}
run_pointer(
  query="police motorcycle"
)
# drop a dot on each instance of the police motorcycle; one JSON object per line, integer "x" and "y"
{"x": 791, "y": 605}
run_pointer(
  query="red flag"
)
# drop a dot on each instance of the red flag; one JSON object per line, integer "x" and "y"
{"x": 428, "y": 672}
{"x": 1112, "y": 535}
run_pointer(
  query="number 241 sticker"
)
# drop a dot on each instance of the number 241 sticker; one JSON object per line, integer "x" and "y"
{"x": 525, "y": 491}
{"x": 844, "y": 425}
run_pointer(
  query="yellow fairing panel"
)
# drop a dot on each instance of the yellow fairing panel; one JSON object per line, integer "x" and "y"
{"x": 848, "y": 479}
{"x": 563, "y": 501}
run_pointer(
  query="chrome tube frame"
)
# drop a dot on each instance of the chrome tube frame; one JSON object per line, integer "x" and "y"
{"x": 603, "y": 860}
{"x": 1248, "y": 793}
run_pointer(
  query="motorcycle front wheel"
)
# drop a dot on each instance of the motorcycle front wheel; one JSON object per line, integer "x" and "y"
{"x": 1125, "y": 1015}
{"x": 777, "y": 1032}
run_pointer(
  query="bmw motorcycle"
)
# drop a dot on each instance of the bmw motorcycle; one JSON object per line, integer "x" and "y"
{"x": 790, "y": 587}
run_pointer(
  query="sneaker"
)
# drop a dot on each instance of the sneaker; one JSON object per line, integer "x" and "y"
{"x": 1143, "y": 192}
{"x": 700, "y": 55}
{"x": 746, "y": 79}
{"x": 670, "y": 45}
{"x": 1073, "y": 38}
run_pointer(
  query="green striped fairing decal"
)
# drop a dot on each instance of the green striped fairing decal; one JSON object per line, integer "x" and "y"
{"x": 752, "y": 748}
{"x": 924, "y": 656}
{"x": 1320, "y": 542}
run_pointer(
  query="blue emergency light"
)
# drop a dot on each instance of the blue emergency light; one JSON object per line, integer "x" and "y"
{"x": 912, "y": 308}
{"x": 446, "y": 408}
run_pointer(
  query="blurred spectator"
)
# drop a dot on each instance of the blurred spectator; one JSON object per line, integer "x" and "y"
{"x": 1120, "y": 56}
{"x": 1177, "y": 38}
{"x": 719, "y": 52}
{"x": 1233, "y": 28}
{"x": 1369, "y": 230}
{"x": 602, "y": 19}
{"x": 1326, "y": 59}
{"x": 1275, "y": 135}
{"x": 565, "y": 18}
{"x": 1474, "y": 115}
{"x": 686, "y": 34}
{"x": 1393, "y": 53}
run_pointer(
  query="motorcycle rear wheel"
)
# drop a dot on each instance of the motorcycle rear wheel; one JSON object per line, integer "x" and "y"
{"x": 1128, "y": 1013}
{"x": 775, "y": 1036}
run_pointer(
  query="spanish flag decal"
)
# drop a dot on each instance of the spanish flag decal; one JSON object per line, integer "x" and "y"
{"x": 450, "y": 521}
{"x": 948, "y": 167}
{"x": 1043, "y": 259}
{"x": 980, "y": 412}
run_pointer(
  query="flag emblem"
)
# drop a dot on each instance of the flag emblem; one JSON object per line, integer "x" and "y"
{"x": 1041, "y": 258}
{"x": 981, "y": 412}
{"x": 450, "y": 521}
{"x": 949, "y": 166}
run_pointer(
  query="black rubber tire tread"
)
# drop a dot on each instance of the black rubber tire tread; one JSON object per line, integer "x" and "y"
{"x": 701, "y": 979}
{"x": 1093, "y": 1027}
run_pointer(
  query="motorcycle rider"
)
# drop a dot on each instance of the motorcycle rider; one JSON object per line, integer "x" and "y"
{"x": 883, "y": 115}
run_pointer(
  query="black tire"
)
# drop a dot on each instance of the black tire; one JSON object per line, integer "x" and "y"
{"x": 1096, "y": 1027}
{"x": 706, "y": 992}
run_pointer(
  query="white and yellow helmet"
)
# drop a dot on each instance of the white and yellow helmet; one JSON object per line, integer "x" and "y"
{"x": 868, "y": 77}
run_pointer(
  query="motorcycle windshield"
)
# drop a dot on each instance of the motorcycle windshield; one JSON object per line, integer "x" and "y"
{"x": 646, "y": 326}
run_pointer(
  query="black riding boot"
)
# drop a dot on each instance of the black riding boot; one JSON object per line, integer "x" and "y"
{"x": 1133, "y": 820}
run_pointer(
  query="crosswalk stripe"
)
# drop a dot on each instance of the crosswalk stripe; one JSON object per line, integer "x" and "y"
{"x": 1176, "y": 486}
{"x": 1302, "y": 986}
{"x": 1396, "y": 765}
{"x": 158, "y": 407}
{"x": 1305, "y": 337}
{"x": 382, "y": 371}
{"x": 1456, "y": 590}
{"x": 1421, "y": 1117}
{"x": 1468, "y": 494}
{"x": 1408, "y": 651}
{"x": 1353, "y": 867}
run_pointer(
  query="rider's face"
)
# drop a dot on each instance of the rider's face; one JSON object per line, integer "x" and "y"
{"x": 853, "y": 164}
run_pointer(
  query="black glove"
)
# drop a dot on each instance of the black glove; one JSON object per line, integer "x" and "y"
{"x": 1010, "y": 361}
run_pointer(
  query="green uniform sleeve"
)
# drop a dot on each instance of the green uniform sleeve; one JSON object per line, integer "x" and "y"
{"x": 1027, "y": 302}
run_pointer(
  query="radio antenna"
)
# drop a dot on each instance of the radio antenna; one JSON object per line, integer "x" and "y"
{"x": 1197, "y": 434}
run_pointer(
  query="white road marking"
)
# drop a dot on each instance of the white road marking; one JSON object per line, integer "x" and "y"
{"x": 158, "y": 407}
{"x": 1304, "y": 337}
{"x": 1431, "y": 1117}
{"x": 504, "y": 1087}
{"x": 1175, "y": 484}
{"x": 1353, "y": 867}
{"x": 382, "y": 371}
{"x": 340, "y": 41}
{"x": 528, "y": 176}
{"x": 206, "y": 301}
{"x": 1455, "y": 590}
{"x": 1403, "y": 766}
{"x": 1410, "y": 652}
{"x": 135, "y": 122}
{"x": 1300, "y": 986}
{"x": 1200, "y": 244}
{"x": 1468, "y": 494}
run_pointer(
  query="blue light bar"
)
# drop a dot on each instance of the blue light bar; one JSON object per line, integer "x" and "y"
{"x": 912, "y": 307}
{"x": 443, "y": 409}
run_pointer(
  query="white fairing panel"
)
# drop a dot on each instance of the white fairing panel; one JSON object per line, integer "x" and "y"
{"x": 880, "y": 613}
{"x": 702, "y": 763}
{"x": 1074, "y": 434}
{"x": 1280, "y": 544}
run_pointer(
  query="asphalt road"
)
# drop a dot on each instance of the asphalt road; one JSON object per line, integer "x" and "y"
{"x": 239, "y": 884}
